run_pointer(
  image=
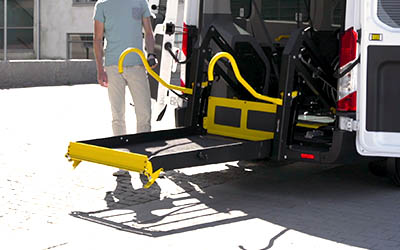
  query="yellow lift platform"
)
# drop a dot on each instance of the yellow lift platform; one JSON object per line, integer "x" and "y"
{"x": 231, "y": 130}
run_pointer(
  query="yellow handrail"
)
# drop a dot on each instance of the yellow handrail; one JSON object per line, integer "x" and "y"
{"x": 235, "y": 68}
{"x": 149, "y": 70}
{"x": 281, "y": 37}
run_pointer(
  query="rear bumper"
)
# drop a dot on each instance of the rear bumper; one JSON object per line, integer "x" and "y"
{"x": 343, "y": 150}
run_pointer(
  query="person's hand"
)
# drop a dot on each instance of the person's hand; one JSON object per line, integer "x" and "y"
{"x": 152, "y": 60}
{"x": 102, "y": 78}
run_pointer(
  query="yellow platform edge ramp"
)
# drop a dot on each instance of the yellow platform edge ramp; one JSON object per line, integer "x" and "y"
{"x": 78, "y": 152}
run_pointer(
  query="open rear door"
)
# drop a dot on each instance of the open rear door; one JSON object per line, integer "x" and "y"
{"x": 169, "y": 33}
{"x": 379, "y": 85}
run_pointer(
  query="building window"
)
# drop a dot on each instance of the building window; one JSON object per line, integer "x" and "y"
{"x": 339, "y": 13}
{"x": 285, "y": 10}
{"x": 19, "y": 24}
{"x": 80, "y": 46}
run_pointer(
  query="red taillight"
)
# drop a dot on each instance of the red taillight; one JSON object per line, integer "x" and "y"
{"x": 348, "y": 103}
{"x": 348, "y": 47}
{"x": 307, "y": 156}
{"x": 183, "y": 84}
{"x": 185, "y": 39}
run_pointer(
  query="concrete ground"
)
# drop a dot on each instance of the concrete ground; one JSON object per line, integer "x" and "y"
{"x": 45, "y": 204}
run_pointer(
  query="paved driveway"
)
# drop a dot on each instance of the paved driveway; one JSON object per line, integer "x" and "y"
{"x": 44, "y": 204}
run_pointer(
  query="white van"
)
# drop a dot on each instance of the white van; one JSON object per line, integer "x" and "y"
{"x": 298, "y": 80}
{"x": 364, "y": 56}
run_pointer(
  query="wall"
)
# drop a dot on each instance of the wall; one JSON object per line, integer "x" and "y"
{"x": 32, "y": 73}
{"x": 59, "y": 17}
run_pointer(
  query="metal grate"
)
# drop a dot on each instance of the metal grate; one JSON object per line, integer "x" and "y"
{"x": 389, "y": 12}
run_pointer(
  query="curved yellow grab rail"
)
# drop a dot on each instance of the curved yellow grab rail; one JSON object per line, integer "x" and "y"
{"x": 281, "y": 37}
{"x": 149, "y": 70}
{"x": 235, "y": 68}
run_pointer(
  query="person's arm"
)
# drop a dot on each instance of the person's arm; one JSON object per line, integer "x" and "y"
{"x": 102, "y": 78}
{"x": 149, "y": 38}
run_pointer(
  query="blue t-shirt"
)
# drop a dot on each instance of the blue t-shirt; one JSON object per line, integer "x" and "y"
{"x": 122, "y": 28}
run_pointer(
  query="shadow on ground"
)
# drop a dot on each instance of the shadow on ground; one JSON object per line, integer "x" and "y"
{"x": 342, "y": 204}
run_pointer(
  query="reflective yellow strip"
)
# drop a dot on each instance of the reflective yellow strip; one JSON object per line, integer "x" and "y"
{"x": 375, "y": 37}
{"x": 149, "y": 70}
{"x": 235, "y": 68}
{"x": 241, "y": 132}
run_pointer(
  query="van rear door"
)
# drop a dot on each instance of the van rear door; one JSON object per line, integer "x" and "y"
{"x": 379, "y": 86}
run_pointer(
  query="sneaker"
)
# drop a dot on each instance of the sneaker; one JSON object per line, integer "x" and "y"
{"x": 121, "y": 172}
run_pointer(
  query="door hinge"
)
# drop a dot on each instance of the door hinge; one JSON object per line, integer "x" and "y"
{"x": 348, "y": 124}
{"x": 359, "y": 35}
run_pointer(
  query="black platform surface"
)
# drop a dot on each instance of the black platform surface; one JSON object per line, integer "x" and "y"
{"x": 179, "y": 148}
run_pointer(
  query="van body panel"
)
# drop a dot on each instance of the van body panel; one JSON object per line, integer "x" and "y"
{"x": 378, "y": 96}
{"x": 383, "y": 109}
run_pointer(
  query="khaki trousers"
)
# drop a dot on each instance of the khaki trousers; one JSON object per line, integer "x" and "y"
{"x": 135, "y": 78}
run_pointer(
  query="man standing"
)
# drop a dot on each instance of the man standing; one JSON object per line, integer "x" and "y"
{"x": 121, "y": 22}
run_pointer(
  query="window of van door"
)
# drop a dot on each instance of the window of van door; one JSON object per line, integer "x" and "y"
{"x": 285, "y": 10}
{"x": 389, "y": 12}
{"x": 338, "y": 13}
{"x": 241, "y": 8}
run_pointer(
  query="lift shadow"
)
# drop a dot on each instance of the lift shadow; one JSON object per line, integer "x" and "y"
{"x": 345, "y": 204}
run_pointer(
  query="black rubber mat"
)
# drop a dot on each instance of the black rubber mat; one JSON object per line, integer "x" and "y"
{"x": 190, "y": 143}
{"x": 185, "y": 147}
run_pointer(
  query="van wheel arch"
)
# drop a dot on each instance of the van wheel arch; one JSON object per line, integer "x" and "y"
{"x": 378, "y": 167}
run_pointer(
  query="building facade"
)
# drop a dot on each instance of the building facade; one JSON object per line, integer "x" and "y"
{"x": 46, "y": 29}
